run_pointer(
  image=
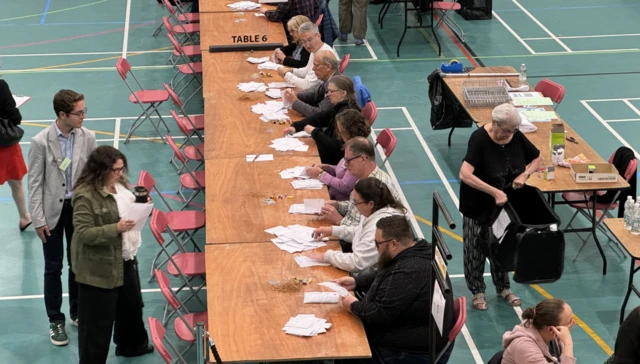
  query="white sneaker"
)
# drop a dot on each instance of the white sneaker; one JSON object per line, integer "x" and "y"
{"x": 74, "y": 321}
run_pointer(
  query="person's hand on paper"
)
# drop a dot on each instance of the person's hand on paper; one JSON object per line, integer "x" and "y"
{"x": 125, "y": 225}
{"x": 290, "y": 96}
{"x": 330, "y": 213}
{"x": 263, "y": 10}
{"x": 289, "y": 131}
{"x": 348, "y": 283}
{"x": 319, "y": 165}
{"x": 314, "y": 255}
{"x": 313, "y": 172}
{"x": 500, "y": 196}
{"x": 347, "y": 301}
{"x": 519, "y": 181}
{"x": 322, "y": 232}
{"x": 279, "y": 55}
{"x": 283, "y": 71}
{"x": 309, "y": 129}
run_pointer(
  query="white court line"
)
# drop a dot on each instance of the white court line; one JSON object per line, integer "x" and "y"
{"x": 116, "y": 134}
{"x": 393, "y": 129}
{"x": 125, "y": 40}
{"x": 635, "y": 109}
{"x": 587, "y": 36}
{"x": 604, "y": 123}
{"x": 513, "y": 32}
{"x": 40, "y": 296}
{"x": 542, "y": 26}
{"x": 599, "y": 51}
{"x": 83, "y": 69}
{"x": 366, "y": 43}
{"x": 132, "y": 139}
{"x": 462, "y": 275}
{"x": 101, "y": 119}
{"x": 607, "y": 100}
{"x": 82, "y": 54}
{"x": 620, "y": 120}
{"x": 373, "y": 55}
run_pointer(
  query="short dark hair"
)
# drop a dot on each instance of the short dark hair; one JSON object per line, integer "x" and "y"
{"x": 372, "y": 189}
{"x": 361, "y": 146}
{"x": 65, "y": 100}
{"x": 396, "y": 227}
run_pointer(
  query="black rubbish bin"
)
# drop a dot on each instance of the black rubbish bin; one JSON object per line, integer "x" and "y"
{"x": 532, "y": 245}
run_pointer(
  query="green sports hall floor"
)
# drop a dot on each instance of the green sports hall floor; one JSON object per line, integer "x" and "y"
{"x": 589, "y": 46}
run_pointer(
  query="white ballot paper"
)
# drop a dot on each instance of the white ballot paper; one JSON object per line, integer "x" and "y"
{"x": 306, "y": 262}
{"x": 306, "y": 325}
{"x": 500, "y": 225}
{"x": 321, "y": 297}
{"x": 336, "y": 287}
{"x": 139, "y": 212}
{"x": 437, "y": 306}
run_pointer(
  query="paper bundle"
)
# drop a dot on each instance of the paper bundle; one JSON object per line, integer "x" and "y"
{"x": 306, "y": 262}
{"x": 336, "y": 287}
{"x": 244, "y": 5}
{"x": 252, "y": 86}
{"x": 280, "y": 84}
{"x": 321, "y": 297}
{"x": 271, "y": 110}
{"x": 295, "y": 172}
{"x": 294, "y": 238}
{"x": 255, "y": 60}
{"x": 268, "y": 66}
{"x": 274, "y": 93}
{"x": 306, "y": 325}
{"x": 306, "y": 184}
{"x": 287, "y": 144}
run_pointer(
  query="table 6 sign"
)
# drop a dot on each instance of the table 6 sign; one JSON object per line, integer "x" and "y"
{"x": 248, "y": 38}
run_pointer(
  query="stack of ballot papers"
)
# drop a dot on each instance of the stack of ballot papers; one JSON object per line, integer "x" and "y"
{"x": 336, "y": 287}
{"x": 244, "y": 5}
{"x": 306, "y": 262}
{"x": 252, "y": 86}
{"x": 258, "y": 14}
{"x": 271, "y": 110}
{"x": 300, "y": 134}
{"x": 306, "y": 325}
{"x": 274, "y": 93}
{"x": 307, "y": 184}
{"x": 287, "y": 144}
{"x": 321, "y": 297}
{"x": 311, "y": 206}
{"x": 294, "y": 238}
{"x": 268, "y": 66}
{"x": 280, "y": 84}
{"x": 255, "y": 60}
{"x": 295, "y": 172}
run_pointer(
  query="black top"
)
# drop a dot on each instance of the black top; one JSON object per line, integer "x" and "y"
{"x": 395, "y": 310}
{"x": 627, "y": 349}
{"x": 289, "y": 61}
{"x": 8, "y": 109}
{"x": 325, "y": 132}
{"x": 495, "y": 164}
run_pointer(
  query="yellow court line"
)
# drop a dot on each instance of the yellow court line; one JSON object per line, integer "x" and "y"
{"x": 99, "y": 132}
{"x": 583, "y": 325}
{"x": 97, "y": 60}
{"x": 53, "y": 12}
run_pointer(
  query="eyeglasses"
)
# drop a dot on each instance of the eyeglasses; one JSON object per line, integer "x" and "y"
{"x": 348, "y": 160}
{"x": 82, "y": 112}
{"x": 330, "y": 91}
{"x": 507, "y": 131}
{"x": 358, "y": 203}
{"x": 308, "y": 40}
{"x": 118, "y": 170}
{"x": 378, "y": 243}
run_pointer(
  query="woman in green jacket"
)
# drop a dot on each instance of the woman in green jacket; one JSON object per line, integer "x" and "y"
{"x": 103, "y": 259}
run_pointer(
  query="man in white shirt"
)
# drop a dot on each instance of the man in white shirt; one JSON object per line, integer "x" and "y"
{"x": 304, "y": 78}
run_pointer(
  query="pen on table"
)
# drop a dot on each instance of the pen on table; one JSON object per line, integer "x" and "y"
{"x": 572, "y": 140}
{"x": 255, "y": 158}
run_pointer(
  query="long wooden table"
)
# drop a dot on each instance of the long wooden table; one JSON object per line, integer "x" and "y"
{"x": 563, "y": 182}
{"x": 245, "y": 316}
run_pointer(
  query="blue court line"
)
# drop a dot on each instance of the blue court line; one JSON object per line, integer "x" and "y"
{"x": 46, "y": 10}
{"x": 73, "y": 23}
{"x": 571, "y": 8}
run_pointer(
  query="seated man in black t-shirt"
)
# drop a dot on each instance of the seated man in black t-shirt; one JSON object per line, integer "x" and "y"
{"x": 395, "y": 310}
{"x": 627, "y": 349}
{"x": 498, "y": 156}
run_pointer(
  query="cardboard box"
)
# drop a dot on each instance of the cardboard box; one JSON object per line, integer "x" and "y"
{"x": 556, "y": 139}
{"x": 604, "y": 173}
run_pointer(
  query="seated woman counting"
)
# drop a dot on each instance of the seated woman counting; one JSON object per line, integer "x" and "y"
{"x": 322, "y": 126}
{"x": 547, "y": 325}
{"x": 294, "y": 55}
{"x": 374, "y": 201}
{"x": 350, "y": 124}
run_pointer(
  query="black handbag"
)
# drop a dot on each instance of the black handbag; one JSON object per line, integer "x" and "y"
{"x": 9, "y": 134}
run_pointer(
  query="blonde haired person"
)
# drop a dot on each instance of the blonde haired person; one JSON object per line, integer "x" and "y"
{"x": 294, "y": 55}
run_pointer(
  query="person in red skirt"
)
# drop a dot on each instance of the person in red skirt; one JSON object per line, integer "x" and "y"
{"x": 12, "y": 166}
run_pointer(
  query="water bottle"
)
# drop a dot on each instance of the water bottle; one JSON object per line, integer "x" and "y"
{"x": 628, "y": 212}
{"x": 523, "y": 75}
{"x": 635, "y": 225}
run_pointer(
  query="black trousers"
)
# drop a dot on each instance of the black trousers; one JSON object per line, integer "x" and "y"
{"x": 53, "y": 263}
{"x": 100, "y": 308}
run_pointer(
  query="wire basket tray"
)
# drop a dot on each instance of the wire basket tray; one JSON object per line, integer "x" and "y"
{"x": 485, "y": 93}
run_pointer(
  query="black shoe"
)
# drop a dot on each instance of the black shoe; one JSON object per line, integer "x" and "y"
{"x": 147, "y": 350}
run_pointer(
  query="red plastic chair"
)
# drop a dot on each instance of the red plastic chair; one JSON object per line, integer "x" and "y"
{"x": 157, "y": 333}
{"x": 188, "y": 30}
{"x": 460, "y": 312}
{"x": 187, "y": 265}
{"x": 581, "y": 202}
{"x": 192, "y": 180}
{"x": 188, "y": 68}
{"x": 387, "y": 141}
{"x": 441, "y": 9}
{"x": 370, "y": 112}
{"x": 552, "y": 90}
{"x": 192, "y": 51}
{"x": 152, "y": 98}
{"x": 344, "y": 62}
{"x": 319, "y": 20}
{"x": 189, "y": 125}
{"x": 183, "y": 16}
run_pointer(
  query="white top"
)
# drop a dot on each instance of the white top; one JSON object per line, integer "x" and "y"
{"x": 304, "y": 78}
{"x": 131, "y": 240}
{"x": 362, "y": 237}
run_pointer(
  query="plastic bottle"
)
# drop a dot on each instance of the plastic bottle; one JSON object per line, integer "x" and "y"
{"x": 522, "y": 80}
{"x": 635, "y": 225}
{"x": 628, "y": 212}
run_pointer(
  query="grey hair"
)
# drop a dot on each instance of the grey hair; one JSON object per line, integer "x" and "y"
{"x": 309, "y": 27}
{"x": 329, "y": 58}
{"x": 506, "y": 114}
